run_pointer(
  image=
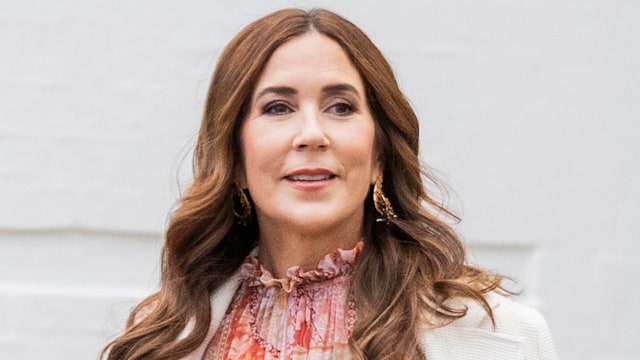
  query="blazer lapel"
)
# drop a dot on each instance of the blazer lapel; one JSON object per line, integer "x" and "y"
{"x": 220, "y": 301}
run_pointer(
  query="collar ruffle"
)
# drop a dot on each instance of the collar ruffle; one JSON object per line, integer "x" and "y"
{"x": 337, "y": 263}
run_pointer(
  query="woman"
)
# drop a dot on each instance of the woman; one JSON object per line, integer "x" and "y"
{"x": 307, "y": 232}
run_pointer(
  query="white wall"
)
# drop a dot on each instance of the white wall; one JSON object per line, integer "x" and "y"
{"x": 528, "y": 111}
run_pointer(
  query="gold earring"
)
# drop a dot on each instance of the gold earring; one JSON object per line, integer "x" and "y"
{"x": 382, "y": 203}
{"x": 244, "y": 203}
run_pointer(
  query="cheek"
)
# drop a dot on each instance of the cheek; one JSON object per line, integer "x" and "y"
{"x": 360, "y": 149}
{"x": 252, "y": 159}
{"x": 261, "y": 154}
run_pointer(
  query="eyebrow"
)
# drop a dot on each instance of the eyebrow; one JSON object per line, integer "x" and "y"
{"x": 278, "y": 90}
{"x": 286, "y": 90}
{"x": 340, "y": 88}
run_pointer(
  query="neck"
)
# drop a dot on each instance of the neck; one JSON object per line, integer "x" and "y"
{"x": 283, "y": 247}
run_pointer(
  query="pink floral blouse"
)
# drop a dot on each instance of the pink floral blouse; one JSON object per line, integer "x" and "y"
{"x": 306, "y": 315}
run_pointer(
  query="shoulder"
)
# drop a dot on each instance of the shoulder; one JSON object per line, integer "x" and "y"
{"x": 520, "y": 333}
{"x": 510, "y": 316}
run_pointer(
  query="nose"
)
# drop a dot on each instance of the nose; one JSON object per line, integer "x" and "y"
{"x": 311, "y": 133}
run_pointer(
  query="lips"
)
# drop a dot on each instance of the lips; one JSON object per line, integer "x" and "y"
{"x": 310, "y": 175}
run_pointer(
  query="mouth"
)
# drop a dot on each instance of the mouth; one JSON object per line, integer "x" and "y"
{"x": 310, "y": 175}
{"x": 306, "y": 177}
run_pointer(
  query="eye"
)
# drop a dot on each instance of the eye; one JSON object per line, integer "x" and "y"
{"x": 276, "y": 108}
{"x": 342, "y": 109}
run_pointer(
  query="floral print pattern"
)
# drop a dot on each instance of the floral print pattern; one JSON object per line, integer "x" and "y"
{"x": 305, "y": 315}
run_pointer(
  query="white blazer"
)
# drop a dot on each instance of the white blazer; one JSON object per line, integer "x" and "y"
{"x": 521, "y": 333}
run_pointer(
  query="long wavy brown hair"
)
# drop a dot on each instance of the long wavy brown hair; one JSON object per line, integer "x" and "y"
{"x": 408, "y": 267}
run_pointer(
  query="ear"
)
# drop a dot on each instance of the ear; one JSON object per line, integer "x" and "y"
{"x": 240, "y": 176}
{"x": 376, "y": 172}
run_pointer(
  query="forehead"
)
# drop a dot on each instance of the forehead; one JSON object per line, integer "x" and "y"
{"x": 312, "y": 57}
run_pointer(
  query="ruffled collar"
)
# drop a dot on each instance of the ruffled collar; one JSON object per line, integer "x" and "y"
{"x": 337, "y": 263}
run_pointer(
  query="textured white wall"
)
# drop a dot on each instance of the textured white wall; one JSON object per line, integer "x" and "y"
{"x": 529, "y": 111}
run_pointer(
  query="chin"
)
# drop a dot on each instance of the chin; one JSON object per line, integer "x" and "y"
{"x": 314, "y": 221}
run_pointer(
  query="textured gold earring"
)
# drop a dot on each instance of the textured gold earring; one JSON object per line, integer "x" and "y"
{"x": 244, "y": 217}
{"x": 382, "y": 203}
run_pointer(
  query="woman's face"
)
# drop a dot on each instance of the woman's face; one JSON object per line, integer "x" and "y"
{"x": 308, "y": 139}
